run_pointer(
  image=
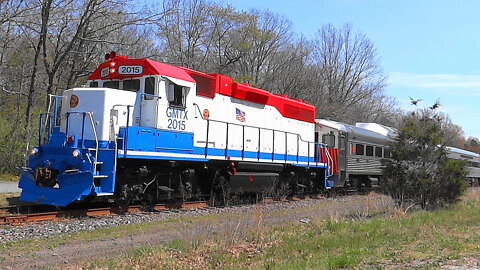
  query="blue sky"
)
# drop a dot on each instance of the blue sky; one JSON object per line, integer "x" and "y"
{"x": 429, "y": 48}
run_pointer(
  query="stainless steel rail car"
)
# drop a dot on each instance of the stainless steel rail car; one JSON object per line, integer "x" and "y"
{"x": 473, "y": 163}
{"x": 356, "y": 153}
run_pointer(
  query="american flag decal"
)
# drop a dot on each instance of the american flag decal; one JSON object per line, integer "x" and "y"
{"x": 240, "y": 115}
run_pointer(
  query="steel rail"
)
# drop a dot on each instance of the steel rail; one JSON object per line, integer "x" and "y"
{"x": 9, "y": 215}
{"x": 16, "y": 218}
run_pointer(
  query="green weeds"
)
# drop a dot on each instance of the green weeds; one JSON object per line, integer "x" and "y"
{"x": 421, "y": 239}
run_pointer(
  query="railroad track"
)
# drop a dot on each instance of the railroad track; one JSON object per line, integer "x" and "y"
{"x": 20, "y": 214}
{"x": 9, "y": 215}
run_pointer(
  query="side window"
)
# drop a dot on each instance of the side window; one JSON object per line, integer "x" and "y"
{"x": 343, "y": 142}
{"x": 176, "y": 95}
{"x": 149, "y": 87}
{"x": 329, "y": 140}
{"x": 369, "y": 150}
{"x": 360, "y": 149}
{"x": 111, "y": 84}
{"x": 387, "y": 153}
{"x": 378, "y": 151}
{"x": 131, "y": 85}
{"x": 94, "y": 84}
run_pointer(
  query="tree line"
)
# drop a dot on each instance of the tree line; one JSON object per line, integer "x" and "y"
{"x": 47, "y": 46}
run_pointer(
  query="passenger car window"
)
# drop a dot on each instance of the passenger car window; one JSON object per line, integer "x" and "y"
{"x": 378, "y": 151}
{"x": 360, "y": 149}
{"x": 387, "y": 153}
{"x": 369, "y": 150}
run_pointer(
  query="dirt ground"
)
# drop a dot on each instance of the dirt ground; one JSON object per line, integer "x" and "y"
{"x": 77, "y": 253}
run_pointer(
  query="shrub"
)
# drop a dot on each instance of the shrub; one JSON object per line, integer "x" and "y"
{"x": 419, "y": 171}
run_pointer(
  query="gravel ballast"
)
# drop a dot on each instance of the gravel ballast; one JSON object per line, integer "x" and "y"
{"x": 48, "y": 228}
{"x": 236, "y": 220}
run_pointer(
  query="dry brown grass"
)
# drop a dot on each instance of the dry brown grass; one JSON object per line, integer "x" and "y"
{"x": 472, "y": 194}
{"x": 8, "y": 198}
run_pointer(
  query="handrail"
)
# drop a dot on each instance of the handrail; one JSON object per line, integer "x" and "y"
{"x": 126, "y": 129}
{"x": 90, "y": 116}
{"x": 299, "y": 137}
{"x": 224, "y": 122}
{"x": 44, "y": 131}
{"x": 329, "y": 161}
{"x": 55, "y": 106}
{"x": 148, "y": 95}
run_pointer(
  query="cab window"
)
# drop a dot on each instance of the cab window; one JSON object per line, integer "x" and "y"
{"x": 177, "y": 95}
{"x": 131, "y": 85}
{"x": 94, "y": 84}
{"x": 329, "y": 140}
{"x": 150, "y": 85}
{"x": 112, "y": 84}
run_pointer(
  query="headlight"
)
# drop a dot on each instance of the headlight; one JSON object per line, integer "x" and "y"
{"x": 76, "y": 153}
{"x": 34, "y": 151}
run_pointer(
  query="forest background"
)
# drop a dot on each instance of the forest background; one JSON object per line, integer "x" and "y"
{"x": 47, "y": 46}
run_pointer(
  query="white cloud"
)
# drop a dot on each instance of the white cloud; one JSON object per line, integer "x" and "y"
{"x": 436, "y": 81}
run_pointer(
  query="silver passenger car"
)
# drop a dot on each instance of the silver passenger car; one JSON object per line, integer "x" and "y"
{"x": 473, "y": 163}
{"x": 360, "y": 150}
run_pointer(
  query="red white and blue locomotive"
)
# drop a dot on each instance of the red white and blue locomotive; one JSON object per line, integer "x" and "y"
{"x": 144, "y": 130}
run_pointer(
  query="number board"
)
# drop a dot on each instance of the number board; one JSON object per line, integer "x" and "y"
{"x": 130, "y": 70}
{"x": 104, "y": 72}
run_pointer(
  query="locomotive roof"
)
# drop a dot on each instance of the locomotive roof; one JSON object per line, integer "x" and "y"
{"x": 150, "y": 67}
{"x": 208, "y": 85}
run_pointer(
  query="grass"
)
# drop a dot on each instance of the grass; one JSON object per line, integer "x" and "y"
{"x": 420, "y": 239}
{"x": 32, "y": 245}
{"x": 9, "y": 177}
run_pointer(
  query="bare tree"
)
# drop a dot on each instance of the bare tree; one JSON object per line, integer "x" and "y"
{"x": 223, "y": 40}
{"x": 183, "y": 31}
{"x": 349, "y": 70}
{"x": 288, "y": 71}
{"x": 265, "y": 35}
{"x": 77, "y": 23}
{"x": 44, "y": 18}
{"x": 453, "y": 134}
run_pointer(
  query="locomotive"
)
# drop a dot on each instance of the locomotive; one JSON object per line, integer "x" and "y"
{"x": 144, "y": 130}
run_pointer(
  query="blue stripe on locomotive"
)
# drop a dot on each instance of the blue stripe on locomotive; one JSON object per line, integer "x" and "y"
{"x": 154, "y": 140}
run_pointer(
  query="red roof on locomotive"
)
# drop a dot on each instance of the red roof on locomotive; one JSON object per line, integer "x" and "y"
{"x": 208, "y": 85}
